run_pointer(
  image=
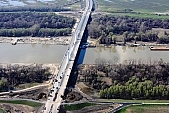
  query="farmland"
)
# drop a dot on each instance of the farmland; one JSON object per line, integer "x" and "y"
{"x": 141, "y": 15}
{"x": 135, "y": 5}
{"x": 145, "y": 109}
{"x": 16, "y": 3}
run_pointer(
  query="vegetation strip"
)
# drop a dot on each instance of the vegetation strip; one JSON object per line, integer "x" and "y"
{"x": 78, "y": 106}
{"x": 135, "y": 101}
{"x": 141, "y": 15}
{"x": 24, "y": 102}
{"x": 3, "y": 111}
{"x": 111, "y": 29}
{"x": 144, "y": 109}
{"x": 34, "y": 24}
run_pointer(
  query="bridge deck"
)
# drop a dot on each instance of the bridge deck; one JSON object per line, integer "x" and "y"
{"x": 59, "y": 85}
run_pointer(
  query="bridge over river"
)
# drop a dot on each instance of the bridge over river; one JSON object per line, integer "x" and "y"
{"x": 67, "y": 67}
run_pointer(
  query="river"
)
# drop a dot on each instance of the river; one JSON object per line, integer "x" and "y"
{"x": 41, "y": 53}
{"x": 31, "y": 53}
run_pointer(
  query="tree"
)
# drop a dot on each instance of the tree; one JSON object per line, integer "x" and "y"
{"x": 114, "y": 38}
{"x": 143, "y": 27}
{"x": 125, "y": 34}
{"x": 35, "y": 29}
{"x": 3, "y": 84}
{"x": 135, "y": 38}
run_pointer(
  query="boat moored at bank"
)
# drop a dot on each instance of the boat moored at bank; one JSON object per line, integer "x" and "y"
{"x": 159, "y": 48}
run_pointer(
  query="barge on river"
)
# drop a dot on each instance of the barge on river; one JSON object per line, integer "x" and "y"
{"x": 159, "y": 48}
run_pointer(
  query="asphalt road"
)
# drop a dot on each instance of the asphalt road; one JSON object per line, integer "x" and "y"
{"x": 60, "y": 82}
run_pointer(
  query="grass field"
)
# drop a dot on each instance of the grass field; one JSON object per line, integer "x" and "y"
{"x": 78, "y": 106}
{"x": 140, "y": 101}
{"x": 3, "y": 111}
{"x": 27, "y": 85}
{"x": 4, "y": 3}
{"x": 23, "y": 102}
{"x": 136, "y": 5}
{"x": 145, "y": 109}
{"x": 142, "y": 15}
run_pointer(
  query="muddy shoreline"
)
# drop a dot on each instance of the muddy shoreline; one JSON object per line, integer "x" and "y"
{"x": 65, "y": 40}
{"x": 36, "y": 40}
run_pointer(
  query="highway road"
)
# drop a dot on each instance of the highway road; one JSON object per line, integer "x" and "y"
{"x": 56, "y": 94}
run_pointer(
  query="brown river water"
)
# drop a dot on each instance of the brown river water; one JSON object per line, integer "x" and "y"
{"x": 42, "y": 53}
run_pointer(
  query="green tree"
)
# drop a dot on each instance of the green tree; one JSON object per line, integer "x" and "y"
{"x": 114, "y": 38}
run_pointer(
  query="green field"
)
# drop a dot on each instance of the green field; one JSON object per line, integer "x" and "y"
{"x": 78, "y": 106}
{"x": 3, "y": 111}
{"x": 140, "y": 101}
{"x": 4, "y": 3}
{"x": 141, "y": 15}
{"x": 145, "y": 109}
{"x": 27, "y": 85}
{"x": 135, "y": 5}
{"x": 23, "y": 102}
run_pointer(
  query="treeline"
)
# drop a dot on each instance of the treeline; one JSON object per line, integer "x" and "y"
{"x": 35, "y": 24}
{"x": 107, "y": 27}
{"x": 45, "y": 8}
{"x": 132, "y": 80}
{"x": 134, "y": 89}
{"x": 11, "y": 76}
{"x": 41, "y": 32}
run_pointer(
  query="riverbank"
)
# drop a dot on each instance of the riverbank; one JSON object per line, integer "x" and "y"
{"x": 36, "y": 40}
{"x": 65, "y": 40}
{"x": 139, "y": 43}
{"x": 95, "y": 42}
{"x": 53, "y": 69}
{"x": 60, "y": 40}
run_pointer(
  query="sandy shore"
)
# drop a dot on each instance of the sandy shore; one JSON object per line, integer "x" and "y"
{"x": 139, "y": 43}
{"x": 36, "y": 40}
{"x": 66, "y": 41}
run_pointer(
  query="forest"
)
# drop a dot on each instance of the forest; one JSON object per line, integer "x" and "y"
{"x": 12, "y": 76}
{"x": 40, "y": 8}
{"x": 35, "y": 24}
{"x": 131, "y": 80}
{"x": 108, "y": 27}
